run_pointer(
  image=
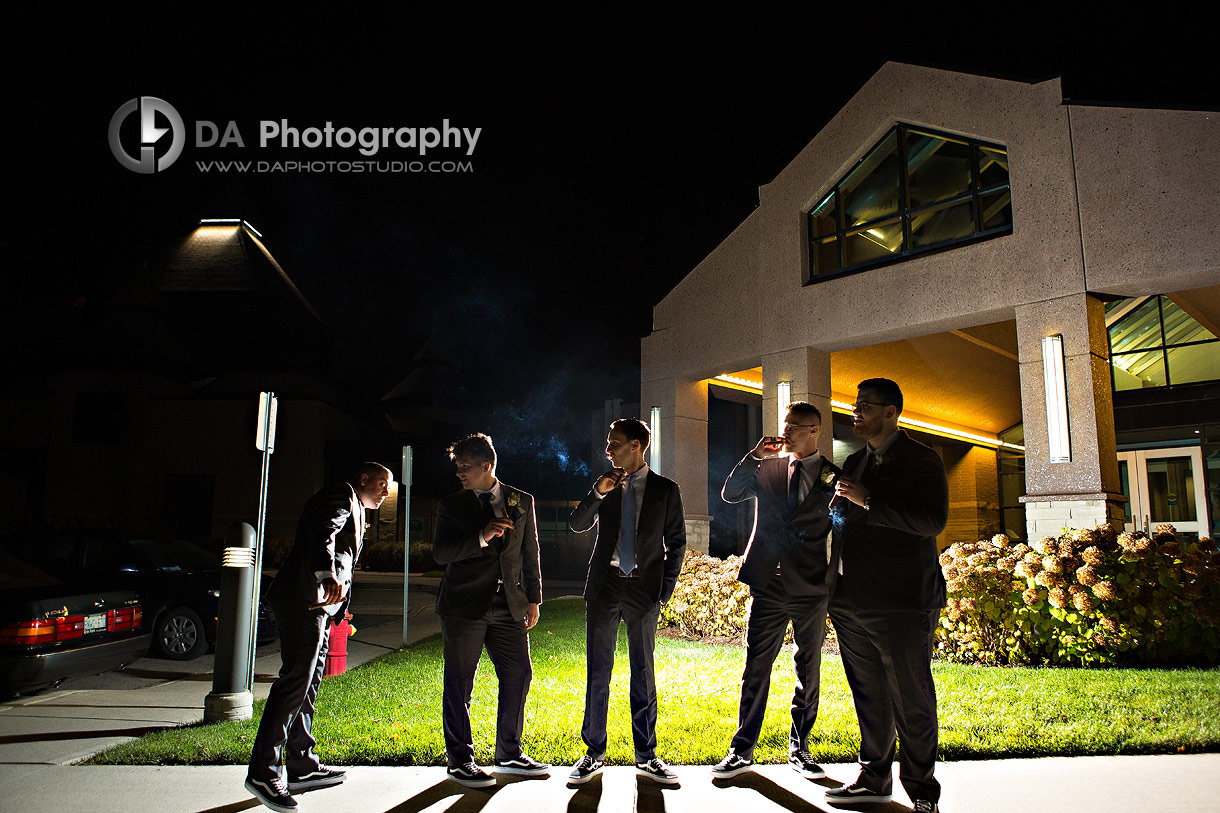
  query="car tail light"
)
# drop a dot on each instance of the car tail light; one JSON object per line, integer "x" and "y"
{"x": 124, "y": 618}
{"x": 42, "y": 631}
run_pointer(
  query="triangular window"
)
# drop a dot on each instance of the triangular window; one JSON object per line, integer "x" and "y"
{"x": 916, "y": 191}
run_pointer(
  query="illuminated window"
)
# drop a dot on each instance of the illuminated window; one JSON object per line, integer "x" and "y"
{"x": 915, "y": 191}
{"x": 1154, "y": 343}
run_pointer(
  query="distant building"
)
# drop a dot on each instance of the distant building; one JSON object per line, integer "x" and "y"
{"x": 961, "y": 234}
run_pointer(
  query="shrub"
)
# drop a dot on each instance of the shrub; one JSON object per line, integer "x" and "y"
{"x": 1086, "y": 597}
{"x": 386, "y": 557}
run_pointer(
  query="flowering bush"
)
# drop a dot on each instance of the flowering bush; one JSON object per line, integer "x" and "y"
{"x": 1088, "y": 597}
{"x": 708, "y": 599}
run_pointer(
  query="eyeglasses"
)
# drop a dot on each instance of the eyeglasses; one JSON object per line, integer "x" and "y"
{"x": 862, "y": 406}
{"x": 788, "y": 426}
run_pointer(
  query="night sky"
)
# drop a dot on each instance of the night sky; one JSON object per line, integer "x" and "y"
{"x": 615, "y": 153}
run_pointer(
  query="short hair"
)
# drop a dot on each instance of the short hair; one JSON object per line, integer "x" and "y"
{"x": 634, "y": 429}
{"x": 886, "y": 389}
{"x": 371, "y": 469}
{"x": 806, "y": 409}
{"x": 474, "y": 447}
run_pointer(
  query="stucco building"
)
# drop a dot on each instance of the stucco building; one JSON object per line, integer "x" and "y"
{"x": 968, "y": 236}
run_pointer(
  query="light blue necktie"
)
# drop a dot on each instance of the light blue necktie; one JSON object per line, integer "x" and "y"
{"x": 626, "y": 534}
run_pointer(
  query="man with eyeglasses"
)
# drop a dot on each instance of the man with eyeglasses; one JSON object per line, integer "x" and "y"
{"x": 790, "y": 567}
{"x": 893, "y": 500}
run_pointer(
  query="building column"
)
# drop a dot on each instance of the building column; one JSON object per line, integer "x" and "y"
{"x": 807, "y": 371}
{"x": 683, "y": 447}
{"x": 1084, "y": 491}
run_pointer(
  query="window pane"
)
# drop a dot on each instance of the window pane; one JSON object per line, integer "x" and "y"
{"x": 997, "y": 209}
{"x": 939, "y": 168}
{"x": 1196, "y": 362}
{"x": 1124, "y": 479}
{"x": 1133, "y": 371}
{"x": 942, "y": 225}
{"x": 1139, "y": 328}
{"x": 826, "y": 256}
{"x": 1171, "y": 490}
{"x": 871, "y": 190}
{"x": 824, "y": 217}
{"x": 881, "y": 240}
{"x": 1180, "y": 327}
{"x": 993, "y": 167}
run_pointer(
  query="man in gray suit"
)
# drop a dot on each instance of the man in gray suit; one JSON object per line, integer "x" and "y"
{"x": 311, "y": 590}
{"x": 790, "y": 567}
{"x": 641, "y": 539}
{"x": 487, "y": 539}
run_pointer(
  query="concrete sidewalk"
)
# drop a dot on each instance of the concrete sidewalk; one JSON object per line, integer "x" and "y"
{"x": 41, "y": 735}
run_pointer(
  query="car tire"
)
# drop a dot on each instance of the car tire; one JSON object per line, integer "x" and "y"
{"x": 179, "y": 634}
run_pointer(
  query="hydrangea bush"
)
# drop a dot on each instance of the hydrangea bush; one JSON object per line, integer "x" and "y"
{"x": 708, "y": 600}
{"x": 1087, "y": 597}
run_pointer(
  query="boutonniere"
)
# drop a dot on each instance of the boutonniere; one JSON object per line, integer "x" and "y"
{"x": 512, "y": 505}
{"x": 878, "y": 460}
{"x": 828, "y": 476}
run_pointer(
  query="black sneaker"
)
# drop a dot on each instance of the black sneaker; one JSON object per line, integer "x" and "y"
{"x": 272, "y": 793}
{"x": 656, "y": 770}
{"x": 323, "y": 777}
{"x": 585, "y": 769}
{"x": 802, "y": 762}
{"x": 523, "y": 765}
{"x": 732, "y": 765}
{"x": 470, "y": 775}
{"x": 924, "y": 806}
{"x": 856, "y": 794}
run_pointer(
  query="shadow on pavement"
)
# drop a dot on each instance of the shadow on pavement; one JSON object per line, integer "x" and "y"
{"x": 471, "y": 799}
{"x": 587, "y": 797}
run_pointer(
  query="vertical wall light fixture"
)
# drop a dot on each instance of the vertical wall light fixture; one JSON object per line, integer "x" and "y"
{"x": 1055, "y": 380}
{"x": 784, "y": 394}
{"x": 654, "y": 450}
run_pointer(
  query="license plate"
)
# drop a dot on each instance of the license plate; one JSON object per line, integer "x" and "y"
{"x": 95, "y": 623}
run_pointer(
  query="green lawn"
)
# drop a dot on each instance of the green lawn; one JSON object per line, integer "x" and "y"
{"x": 387, "y": 712}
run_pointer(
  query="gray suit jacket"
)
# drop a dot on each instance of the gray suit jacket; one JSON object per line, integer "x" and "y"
{"x": 473, "y": 571}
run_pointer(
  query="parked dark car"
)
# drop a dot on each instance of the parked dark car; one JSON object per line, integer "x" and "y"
{"x": 178, "y": 582}
{"x": 51, "y": 630}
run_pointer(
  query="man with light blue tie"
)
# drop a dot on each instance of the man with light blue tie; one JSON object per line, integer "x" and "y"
{"x": 641, "y": 539}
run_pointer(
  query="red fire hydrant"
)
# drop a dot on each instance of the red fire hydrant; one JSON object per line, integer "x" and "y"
{"x": 336, "y": 656}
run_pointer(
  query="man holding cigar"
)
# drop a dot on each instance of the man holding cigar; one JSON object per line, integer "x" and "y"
{"x": 641, "y": 539}
{"x": 487, "y": 540}
{"x": 790, "y": 566}
{"x": 894, "y": 501}
{"x": 311, "y": 590}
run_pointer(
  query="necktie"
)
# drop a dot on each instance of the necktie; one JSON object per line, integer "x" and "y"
{"x": 488, "y": 513}
{"x": 794, "y": 486}
{"x": 626, "y": 534}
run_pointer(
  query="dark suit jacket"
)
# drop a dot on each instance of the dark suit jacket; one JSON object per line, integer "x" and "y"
{"x": 660, "y": 537}
{"x": 890, "y": 561}
{"x": 471, "y": 570}
{"x": 329, "y": 538}
{"x": 792, "y": 538}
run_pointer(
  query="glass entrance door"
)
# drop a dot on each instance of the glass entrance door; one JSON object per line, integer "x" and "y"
{"x": 1165, "y": 485}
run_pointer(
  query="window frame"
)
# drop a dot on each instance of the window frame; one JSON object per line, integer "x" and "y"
{"x": 905, "y": 213}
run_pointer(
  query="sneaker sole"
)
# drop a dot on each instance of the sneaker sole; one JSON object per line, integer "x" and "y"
{"x": 667, "y": 780}
{"x": 473, "y": 783}
{"x": 254, "y": 791}
{"x": 880, "y": 799}
{"x": 314, "y": 784}
{"x": 730, "y": 774}
{"x": 580, "y": 780}
{"x": 807, "y": 773}
{"x": 524, "y": 771}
